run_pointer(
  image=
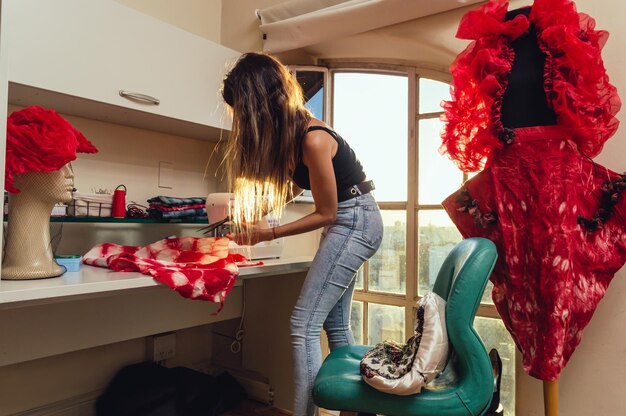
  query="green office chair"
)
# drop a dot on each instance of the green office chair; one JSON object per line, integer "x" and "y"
{"x": 466, "y": 385}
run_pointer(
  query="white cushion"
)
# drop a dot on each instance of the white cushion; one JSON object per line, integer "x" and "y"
{"x": 403, "y": 369}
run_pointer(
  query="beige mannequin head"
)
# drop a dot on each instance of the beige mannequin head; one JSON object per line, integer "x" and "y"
{"x": 40, "y": 144}
{"x": 28, "y": 252}
{"x": 55, "y": 186}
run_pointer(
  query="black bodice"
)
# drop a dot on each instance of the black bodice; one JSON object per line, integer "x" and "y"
{"x": 524, "y": 103}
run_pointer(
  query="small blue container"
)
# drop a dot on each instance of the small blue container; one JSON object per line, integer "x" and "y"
{"x": 71, "y": 263}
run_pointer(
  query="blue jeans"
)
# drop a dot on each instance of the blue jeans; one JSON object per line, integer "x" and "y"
{"x": 326, "y": 295}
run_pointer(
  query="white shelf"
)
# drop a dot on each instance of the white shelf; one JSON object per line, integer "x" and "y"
{"x": 93, "y": 281}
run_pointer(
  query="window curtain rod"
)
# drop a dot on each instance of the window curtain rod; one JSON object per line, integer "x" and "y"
{"x": 298, "y": 23}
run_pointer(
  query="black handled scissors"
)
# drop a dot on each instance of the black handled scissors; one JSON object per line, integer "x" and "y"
{"x": 211, "y": 227}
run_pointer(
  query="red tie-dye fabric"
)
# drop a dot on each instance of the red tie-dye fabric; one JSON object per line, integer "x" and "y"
{"x": 197, "y": 268}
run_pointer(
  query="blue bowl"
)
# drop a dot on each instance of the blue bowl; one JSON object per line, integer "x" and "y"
{"x": 71, "y": 263}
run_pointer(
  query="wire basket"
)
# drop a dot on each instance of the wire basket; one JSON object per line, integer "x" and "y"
{"x": 90, "y": 205}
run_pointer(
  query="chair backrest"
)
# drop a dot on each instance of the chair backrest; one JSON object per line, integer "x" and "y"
{"x": 461, "y": 281}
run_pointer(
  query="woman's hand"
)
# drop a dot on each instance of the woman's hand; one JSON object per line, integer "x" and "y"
{"x": 252, "y": 235}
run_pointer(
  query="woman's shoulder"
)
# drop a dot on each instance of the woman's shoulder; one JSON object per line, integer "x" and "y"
{"x": 319, "y": 137}
{"x": 315, "y": 123}
{"x": 319, "y": 128}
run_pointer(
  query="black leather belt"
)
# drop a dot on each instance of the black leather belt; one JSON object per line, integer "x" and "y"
{"x": 355, "y": 190}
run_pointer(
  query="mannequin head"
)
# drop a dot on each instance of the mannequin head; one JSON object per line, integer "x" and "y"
{"x": 49, "y": 187}
{"x": 40, "y": 146}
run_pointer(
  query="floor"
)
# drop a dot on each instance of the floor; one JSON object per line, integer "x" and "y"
{"x": 252, "y": 408}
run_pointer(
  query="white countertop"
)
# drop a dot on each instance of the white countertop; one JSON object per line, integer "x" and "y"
{"x": 97, "y": 281}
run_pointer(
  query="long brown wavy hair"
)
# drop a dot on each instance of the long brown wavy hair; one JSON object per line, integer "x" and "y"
{"x": 269, "y": 121}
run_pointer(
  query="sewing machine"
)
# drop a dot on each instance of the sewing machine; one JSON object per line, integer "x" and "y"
{"x": 217, "y": 208}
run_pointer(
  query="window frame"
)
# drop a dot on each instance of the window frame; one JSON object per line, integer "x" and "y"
{"x": 413, "y": 72}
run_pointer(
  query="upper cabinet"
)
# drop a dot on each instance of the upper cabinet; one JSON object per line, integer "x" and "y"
{"x": 102, "y": 60}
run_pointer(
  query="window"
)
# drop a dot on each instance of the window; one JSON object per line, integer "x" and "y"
{"x": 390, "y": 116}
{"x": 313, "y": 81}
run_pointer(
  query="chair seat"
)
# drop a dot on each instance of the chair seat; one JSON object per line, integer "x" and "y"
{"x": 339, "y": 386}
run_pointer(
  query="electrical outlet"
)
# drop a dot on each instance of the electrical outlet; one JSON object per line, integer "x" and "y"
{"x": 161, "y": 346}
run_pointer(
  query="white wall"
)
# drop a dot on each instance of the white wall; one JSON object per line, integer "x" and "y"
{"x": 201, "y": 17}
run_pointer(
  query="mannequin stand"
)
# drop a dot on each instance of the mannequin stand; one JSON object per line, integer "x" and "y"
{"x": 551, "y": 397}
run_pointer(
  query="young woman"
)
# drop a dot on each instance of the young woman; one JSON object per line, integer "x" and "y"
{"x": 276, "y": 149}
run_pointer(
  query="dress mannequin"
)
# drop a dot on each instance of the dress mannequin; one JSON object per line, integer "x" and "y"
{"x": 525, "y": 105}
{"x": 28, "y": 252}
{"x": 531, "y": 106}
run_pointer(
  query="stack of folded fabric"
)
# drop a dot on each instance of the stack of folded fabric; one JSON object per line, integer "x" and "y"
{"x": 168, "y": 207}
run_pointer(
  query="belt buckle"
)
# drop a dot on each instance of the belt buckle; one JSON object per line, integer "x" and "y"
{"x": 355, "y": 190}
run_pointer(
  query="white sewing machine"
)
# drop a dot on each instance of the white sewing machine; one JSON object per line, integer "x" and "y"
{"x": 217, "y": 208}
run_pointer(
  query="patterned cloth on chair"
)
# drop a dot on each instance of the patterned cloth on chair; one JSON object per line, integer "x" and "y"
{"x": 404, "y": 369}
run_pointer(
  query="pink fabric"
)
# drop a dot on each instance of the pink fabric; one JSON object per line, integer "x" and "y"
{"x": 197, "y": 268}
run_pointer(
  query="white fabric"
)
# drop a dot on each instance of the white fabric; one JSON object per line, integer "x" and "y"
{"x": 298, "y": 23}
{"x": 382, "y": 369}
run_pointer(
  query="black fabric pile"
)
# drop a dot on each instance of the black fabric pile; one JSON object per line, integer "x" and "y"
{"x": 147, "y": 389}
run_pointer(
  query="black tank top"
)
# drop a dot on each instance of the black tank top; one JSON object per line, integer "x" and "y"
{"x": 348, "y": 169}
{"x": 524, "y": 103}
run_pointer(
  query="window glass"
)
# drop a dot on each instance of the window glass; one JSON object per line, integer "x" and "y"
{"x": 385, "y": 322}
{"x": 494, "y": 335}
{"x": 312, "y": 83}
{"x": 431, "y": 94}
{"x": 370, "y": 113}
{"x": 387, "y": 268}
{"x": 436, "y": 236}
{"x": 438, "y": 175}
{"x": 356, "y": 321}
{"x": 359, "y": 279}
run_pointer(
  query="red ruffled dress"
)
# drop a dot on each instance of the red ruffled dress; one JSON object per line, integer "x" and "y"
{"x": 557, "y": 218}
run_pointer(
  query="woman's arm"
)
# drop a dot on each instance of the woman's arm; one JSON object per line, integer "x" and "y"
{"x": 318, "y": 150}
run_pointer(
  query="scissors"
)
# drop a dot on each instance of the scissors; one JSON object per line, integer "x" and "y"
{"x": 211, "y": 227}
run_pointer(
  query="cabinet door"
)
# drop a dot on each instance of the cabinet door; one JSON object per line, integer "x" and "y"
{"x": 95, "y": 49}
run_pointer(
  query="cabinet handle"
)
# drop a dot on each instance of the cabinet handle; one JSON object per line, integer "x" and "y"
{"x": 140, "y": 97}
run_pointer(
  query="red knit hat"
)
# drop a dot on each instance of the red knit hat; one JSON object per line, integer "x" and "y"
{"x": 40, "y": 140}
